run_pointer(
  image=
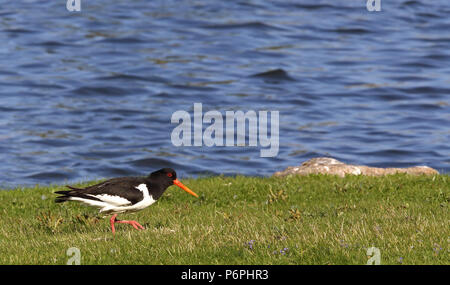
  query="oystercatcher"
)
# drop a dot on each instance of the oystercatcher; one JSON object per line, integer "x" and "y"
{"x": 124, "y": 194}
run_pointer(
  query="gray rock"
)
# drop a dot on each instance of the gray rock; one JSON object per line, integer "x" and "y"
{"x": 326, "y": 165}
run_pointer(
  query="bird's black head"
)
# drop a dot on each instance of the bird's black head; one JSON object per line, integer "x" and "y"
{"x": 164, "y": 176}
{"x": 167, "y": 177}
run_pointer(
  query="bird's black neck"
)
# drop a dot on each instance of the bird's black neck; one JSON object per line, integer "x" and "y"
{"x": 156, "y": 188}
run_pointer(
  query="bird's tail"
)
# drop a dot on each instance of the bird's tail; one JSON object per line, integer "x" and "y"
{"x": 66, "y": 194}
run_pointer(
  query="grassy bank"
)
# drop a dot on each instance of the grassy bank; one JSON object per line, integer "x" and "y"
{"x": 317, "y": 219}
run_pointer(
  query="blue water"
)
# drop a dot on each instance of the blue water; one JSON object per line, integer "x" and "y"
{"x": 90, "y": 94}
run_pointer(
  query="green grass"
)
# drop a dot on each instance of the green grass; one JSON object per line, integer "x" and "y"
{"x": 316, "y": 219}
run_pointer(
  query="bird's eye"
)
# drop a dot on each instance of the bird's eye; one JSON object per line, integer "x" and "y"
{"x": 169, "y": 174}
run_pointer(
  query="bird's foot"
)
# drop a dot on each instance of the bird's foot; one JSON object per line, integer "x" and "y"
{"x": 135, "y": 224}
{"x": 113, "y": 220}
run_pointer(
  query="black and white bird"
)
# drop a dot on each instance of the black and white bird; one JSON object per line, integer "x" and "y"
{"x": 124, "y": 194}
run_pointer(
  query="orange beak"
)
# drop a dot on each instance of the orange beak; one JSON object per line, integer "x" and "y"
{"x": 179, "y": 184}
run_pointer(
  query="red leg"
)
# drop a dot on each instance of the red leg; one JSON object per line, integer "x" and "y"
{"x": 133, "y": 223}
{"x": 112, "y": 221}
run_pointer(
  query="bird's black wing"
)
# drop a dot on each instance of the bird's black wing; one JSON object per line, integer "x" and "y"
{"x": 120, "y": 191}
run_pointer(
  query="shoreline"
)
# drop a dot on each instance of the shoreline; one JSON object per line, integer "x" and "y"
{"x": 317, "y": 165}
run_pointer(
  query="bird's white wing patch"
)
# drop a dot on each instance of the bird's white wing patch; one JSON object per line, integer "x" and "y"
{"x": 89, "y": 202}
{"x": 143, "y": 188}
{"x": 112, "y": 199}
